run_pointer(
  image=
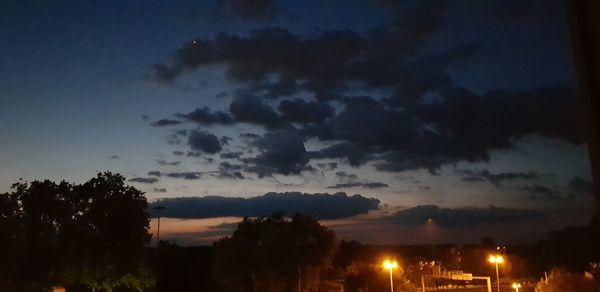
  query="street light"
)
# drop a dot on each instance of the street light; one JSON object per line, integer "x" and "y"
{"x": 389, "y": 264}
{"x": 496, "y": 259}
{"x": 516, "y": 286}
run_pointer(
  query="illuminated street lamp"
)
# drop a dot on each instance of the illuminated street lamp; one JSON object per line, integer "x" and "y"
{"x": 516, "y": 286}
{"x": 496, "y": 259}
{"x": 389, "y": 264}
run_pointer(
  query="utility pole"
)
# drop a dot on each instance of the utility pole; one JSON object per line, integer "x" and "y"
{"x": 158, "y": 209}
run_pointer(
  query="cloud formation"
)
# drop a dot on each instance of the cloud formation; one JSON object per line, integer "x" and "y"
{"x": 410, "y": 114}
{"x": 205, "y": 142}
{"x": 144, "y": 180}
{"x": 459, "y": 217}
{"x": 368, "y": 185}
{"x": 319, "y": 205}
{"x": 495, "y": 178}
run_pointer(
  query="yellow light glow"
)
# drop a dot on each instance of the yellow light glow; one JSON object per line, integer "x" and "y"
{"x": 516, "y": 285}
{"x": 388, "y": 264}
{"x": 496, "y": 259}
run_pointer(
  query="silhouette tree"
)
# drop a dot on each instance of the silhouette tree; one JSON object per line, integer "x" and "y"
{"x": 91, "y": 234}
{"x": 274, "y": 253}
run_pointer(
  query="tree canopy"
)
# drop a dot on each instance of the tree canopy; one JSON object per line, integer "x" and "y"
{"x": 275, "y": 253}
{"x": 91, "y": 234}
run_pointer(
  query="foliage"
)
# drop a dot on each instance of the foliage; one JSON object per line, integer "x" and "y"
{"x": 562, "y": 281}
{"x": 60, "y": 233}
{"x": 274, "y": 254}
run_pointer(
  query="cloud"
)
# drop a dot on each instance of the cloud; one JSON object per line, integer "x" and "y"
{"x": 159, "y": 190}
{"x": 320, "y": 205}
{"x": 205, "y": 142}
{"x": 536, "y": 191}
{"x": 164, "y": 162}
{"x": 144, "y": 180}
{"x": 412, "y": 115}
{"x": 189, "y": 175}
{"x": 229, "y": 171}
{"x": 204, "y": 116}
{"x": 300, "y": 111}
{"x": 369, "y": 185}
{"x": 114, "y": 157}
{"x": 165, "y": 122}
{"x": 345, "y": 176}
{"x": 178, "y": 153}
{"x": 231, "y": 155}
{"x": 495, "y": 179}
{"x": 281, "y": 151}
{"x": 459, "y": 217}
{"x": 249, "y": 108}
{"x": 249, "y": 9}
{"x": 581, "y": 186}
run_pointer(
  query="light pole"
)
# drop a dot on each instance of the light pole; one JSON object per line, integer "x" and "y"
{"x": 496, "y": 259}
{"x": 516, "y": 286}
{"x": 158, "y": 209}
{"x": 388, "y": 264}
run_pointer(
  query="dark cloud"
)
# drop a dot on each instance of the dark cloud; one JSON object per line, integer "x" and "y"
{"x": 225, "y": 140}
{"x": 204, "y": 116}
{"x": 281, "y": 151}
{"x": 178, "y": 153}
{"x": 482, "y": 120}
{"x": 165, "y": 122}
{"x": 164, "y": 162}
{"x": 536, "y": 192}
{"x": 190, "y": 175}
{"x": 581, "y": 186}
{"x": 144, "y": 180}
{"x": 419, "y": 119}
{"x": 159, "y": 190}
{"x": 250, "y": 136}
{"x": 114, "y": 157}
{"x": 369, "y": 185}
{"x": 249, "y": 108}
{"x": 320, "y": 205}
{"x": 495, "y": 179}
{"x": 300, "y": 111}
{"x": 231, "y": 155}
{"x": 249, "y": 9}
{"x": 154, "y": 173}
{"x": 459, "y": 217}
{"x": 205, "y": 142}
{"x": 229, "y": 171}
{"x": 345, "y": 176}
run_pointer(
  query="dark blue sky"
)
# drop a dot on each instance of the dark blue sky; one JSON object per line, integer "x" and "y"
{"x": 452, "y": 103}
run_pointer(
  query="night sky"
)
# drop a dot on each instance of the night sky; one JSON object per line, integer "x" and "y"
{"x": 464, "y": 112}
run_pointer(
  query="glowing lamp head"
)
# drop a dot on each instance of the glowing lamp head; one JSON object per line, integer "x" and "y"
{"x": 388, "y": 264}
{"x": 516, "y": 285}
{"x": 496, "y": 259}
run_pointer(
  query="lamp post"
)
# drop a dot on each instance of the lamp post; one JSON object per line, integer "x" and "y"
{"x": 389, "y": 264}
{"x": 516, "y": 286}
{"x": 496, "y": 259}
{"x": 158, "y": 209}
